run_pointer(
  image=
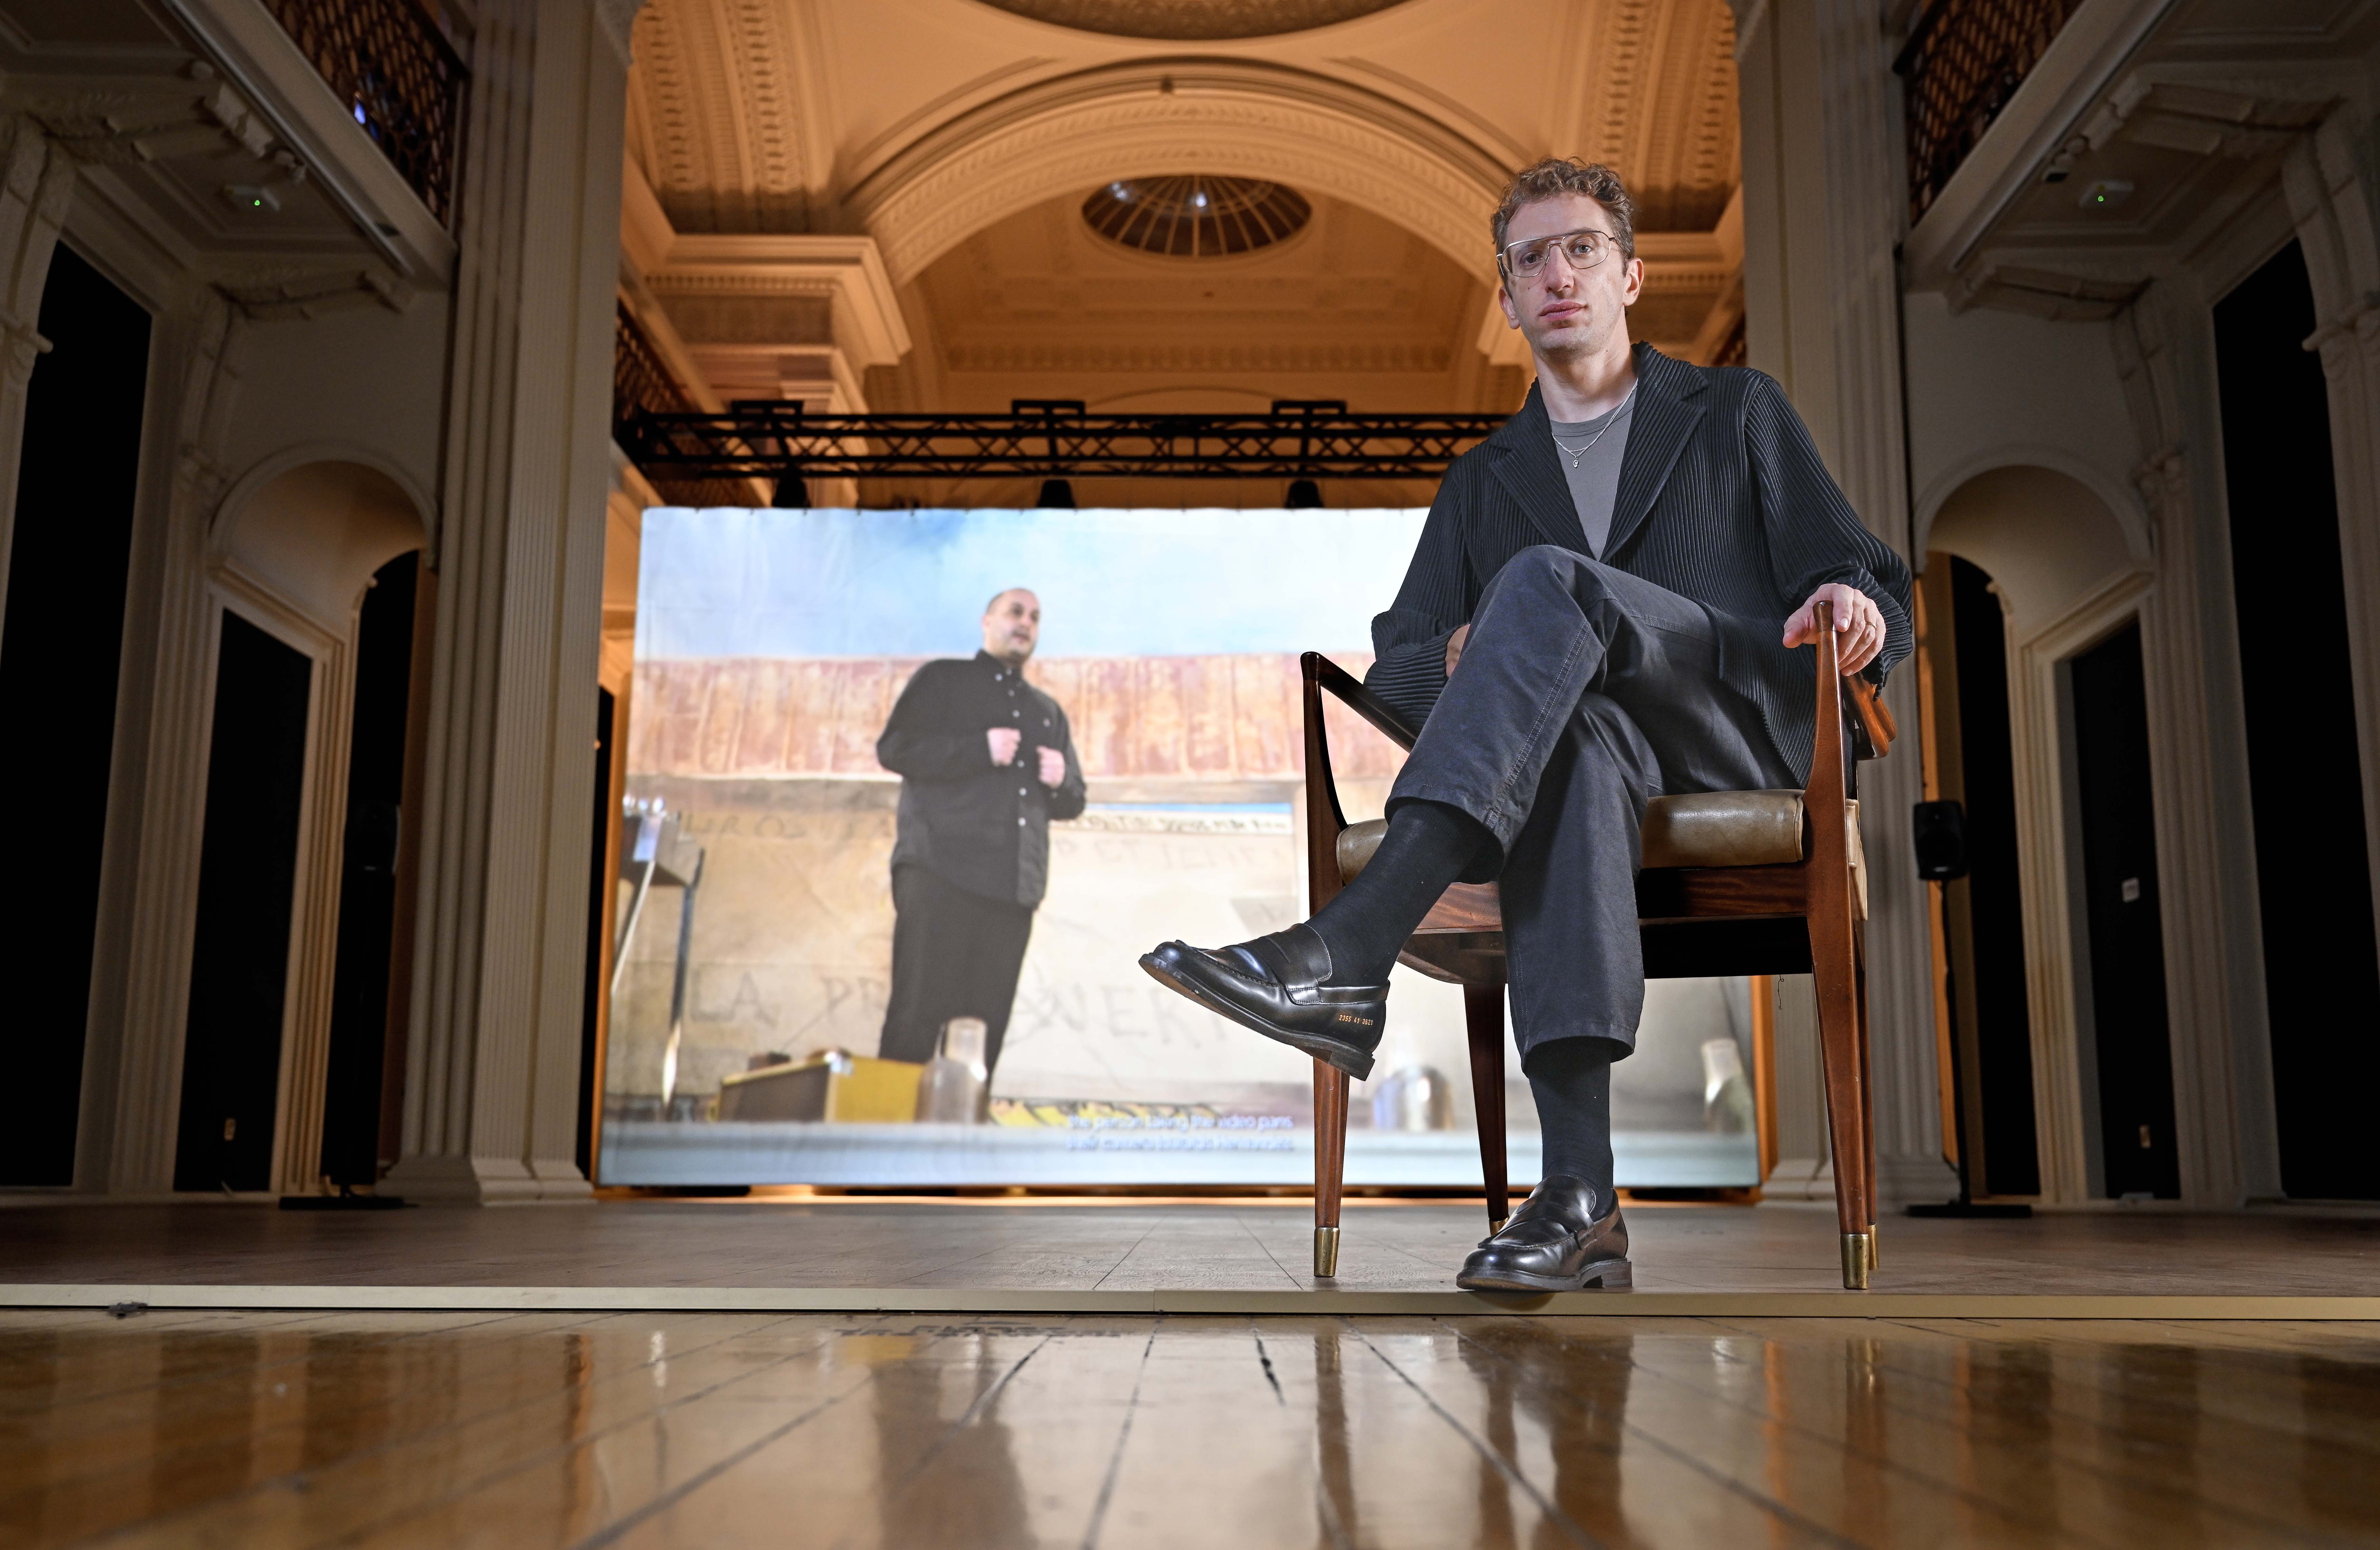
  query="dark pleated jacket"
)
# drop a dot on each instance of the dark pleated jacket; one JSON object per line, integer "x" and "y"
{"x": 1722, "y": 498}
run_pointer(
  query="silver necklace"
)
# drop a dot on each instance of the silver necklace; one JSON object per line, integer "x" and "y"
{"x": 1613, "y": 420}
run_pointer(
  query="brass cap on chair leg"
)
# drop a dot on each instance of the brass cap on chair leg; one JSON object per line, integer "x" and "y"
{"x": 1874, "y": 1254}
{"x": 1855, "y": 1261}
{"x": 1325, "y": 1251}
{"x": 1497, "y": 1226}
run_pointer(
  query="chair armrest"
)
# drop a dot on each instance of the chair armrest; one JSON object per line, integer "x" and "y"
{"x": 1329, "y": 675}
{"x": 1873, "y": 727}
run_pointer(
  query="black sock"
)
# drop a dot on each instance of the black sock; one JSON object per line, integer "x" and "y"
{"x": 1426, "y": 847}
{"x": 1570, "y": 1079}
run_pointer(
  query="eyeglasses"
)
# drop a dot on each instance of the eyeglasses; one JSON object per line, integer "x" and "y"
{"x": 1527, "y": 259}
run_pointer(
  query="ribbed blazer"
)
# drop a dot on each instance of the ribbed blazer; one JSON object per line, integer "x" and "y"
{"x": 1722, "y": 498}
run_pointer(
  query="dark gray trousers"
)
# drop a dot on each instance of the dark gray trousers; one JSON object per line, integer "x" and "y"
{"x": 1583, "y": 693}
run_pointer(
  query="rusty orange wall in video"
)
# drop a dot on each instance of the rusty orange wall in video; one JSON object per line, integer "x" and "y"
{"x": 1219, "y": 718}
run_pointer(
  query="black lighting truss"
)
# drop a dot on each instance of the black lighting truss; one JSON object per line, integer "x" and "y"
{"x": 1297, "y": 440}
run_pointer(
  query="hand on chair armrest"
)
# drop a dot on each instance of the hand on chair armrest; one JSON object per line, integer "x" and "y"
{"x": 1859, "y": 625}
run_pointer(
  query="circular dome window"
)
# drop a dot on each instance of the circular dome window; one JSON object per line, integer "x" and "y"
{"x": 1194, "y": 215}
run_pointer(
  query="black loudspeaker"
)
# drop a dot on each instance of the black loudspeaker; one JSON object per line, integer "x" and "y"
{"x": 792, "y": 494}
{"x": 1939, "y": 830}
{"x": 1056, "y": 495}
{"x": 1304, "y": 495}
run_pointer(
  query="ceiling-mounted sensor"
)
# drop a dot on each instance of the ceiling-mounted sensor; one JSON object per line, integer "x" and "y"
{"x": 2104, "y": 193}
{"x": 252, "y": 199}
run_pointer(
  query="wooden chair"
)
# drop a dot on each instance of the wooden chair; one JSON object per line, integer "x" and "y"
{"x": 1733, "y": 883}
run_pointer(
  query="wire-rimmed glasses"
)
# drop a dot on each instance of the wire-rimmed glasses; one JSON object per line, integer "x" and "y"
{"x": 1527, "y": 259}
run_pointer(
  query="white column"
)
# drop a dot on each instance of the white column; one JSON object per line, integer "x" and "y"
{"x": 2198, "y": 776}
{"x": 1822, "y": 197}
{"x": 492, "y": 1089}
{"x": 2334, "y": 218}
{"x": 36, "y": 182}
{"x": 158, "y": 801}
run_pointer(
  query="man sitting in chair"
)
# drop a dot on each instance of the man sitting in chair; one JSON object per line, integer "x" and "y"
{"x": 1627, "y": 573}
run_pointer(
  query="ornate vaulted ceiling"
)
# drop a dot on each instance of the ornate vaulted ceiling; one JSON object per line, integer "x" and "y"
{"x": 956, "y": 141}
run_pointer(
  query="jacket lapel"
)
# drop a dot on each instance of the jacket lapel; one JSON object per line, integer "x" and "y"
{"x": 1522, "y": 459}
{"x": 1661, "y": 424}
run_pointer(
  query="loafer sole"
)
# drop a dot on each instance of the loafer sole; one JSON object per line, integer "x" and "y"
{"x": 1355, "y": 1062}
{"x": 1611, "y": 1275}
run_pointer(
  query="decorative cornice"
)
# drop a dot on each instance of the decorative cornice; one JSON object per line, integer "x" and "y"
{"x": 1154, "y": 355}
{"x": 1225, "y": 116}
{"x": 267, "y": 291}
{"x": 867, "y": 321}
{"x": 2073, "y": 292}
{"x": 721, "y": 85}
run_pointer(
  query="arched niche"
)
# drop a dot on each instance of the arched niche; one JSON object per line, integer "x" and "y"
{"x": 2048, "y": 539}
{"x": 1231, "y": 118}
{"x": 2070, "y": 565}
{"x": 292, "y": 550}
{"x": 312, "y": 534}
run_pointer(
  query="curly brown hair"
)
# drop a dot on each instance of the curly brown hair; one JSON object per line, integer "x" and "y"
{"x": 1557, "y": 175}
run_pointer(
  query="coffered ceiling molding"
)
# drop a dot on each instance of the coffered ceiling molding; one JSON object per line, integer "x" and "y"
{"x": 1224, "y": 116}
{"x": 846, "y": 271}
{"x": 729, "y": 131}
{"x": 1192, "y": 20}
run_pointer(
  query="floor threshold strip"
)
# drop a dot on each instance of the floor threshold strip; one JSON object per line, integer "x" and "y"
{"x": 134, "y": 1298}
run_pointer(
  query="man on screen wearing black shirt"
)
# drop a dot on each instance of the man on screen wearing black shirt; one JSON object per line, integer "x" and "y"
{"x": 986, "y": 761}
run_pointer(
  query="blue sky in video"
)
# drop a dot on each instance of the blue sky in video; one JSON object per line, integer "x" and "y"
{"x": 840, "y": 583}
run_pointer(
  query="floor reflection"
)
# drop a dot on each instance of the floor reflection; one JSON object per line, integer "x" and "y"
{"x": 1566, "y": 1400}
{"x": 644, "y": 1431}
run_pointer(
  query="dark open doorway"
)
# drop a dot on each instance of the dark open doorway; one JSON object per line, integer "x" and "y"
{"x": 2322, "y": 970}
{"x": 60, "y": 657}
{"x": 240, "y": 954}
{"x": 1983, "y": 911}
{"x": 368, "y": 885}
{"x": 2122, "y": 913}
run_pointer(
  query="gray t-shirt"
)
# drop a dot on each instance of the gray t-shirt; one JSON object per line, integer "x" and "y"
{"x": 1594, "y": 470}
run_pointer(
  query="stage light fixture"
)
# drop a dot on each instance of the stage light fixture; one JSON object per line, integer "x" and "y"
{"x": 1305, "y": 495}
{"x": 1057, "y": 495}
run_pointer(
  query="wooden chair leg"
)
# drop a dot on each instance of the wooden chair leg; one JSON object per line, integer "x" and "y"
{"x": 1483, "y": 1017}
{"x": 1837, "y": 974}
{"x": 1330, "y": 1164}
{"x": 1867, "y": 1100}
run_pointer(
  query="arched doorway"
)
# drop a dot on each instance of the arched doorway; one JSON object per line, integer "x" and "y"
{"x": 294, "y": 553}
{"x": 2034, "y": 566}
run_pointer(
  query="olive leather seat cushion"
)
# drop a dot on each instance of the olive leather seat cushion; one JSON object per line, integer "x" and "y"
{"x": 1706, "y": 828}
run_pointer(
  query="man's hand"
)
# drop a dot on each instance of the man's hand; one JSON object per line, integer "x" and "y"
{"x": 1859, "y": 625}
{"x": 1003, "y": 741}
{"x": 1454, "y": 648}
{"x": 1053, "y": 767}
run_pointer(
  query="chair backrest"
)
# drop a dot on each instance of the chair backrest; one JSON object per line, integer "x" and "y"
{"x": 1324, "y": 817}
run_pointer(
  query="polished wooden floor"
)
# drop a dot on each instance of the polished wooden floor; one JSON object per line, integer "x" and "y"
{"x": 1132, "y": 1246}
{"x": 262, "y": 1430}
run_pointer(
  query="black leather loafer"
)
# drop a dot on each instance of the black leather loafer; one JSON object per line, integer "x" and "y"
{"x": 1281, "y": 987}
{"x": 1554, "y": 1242}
